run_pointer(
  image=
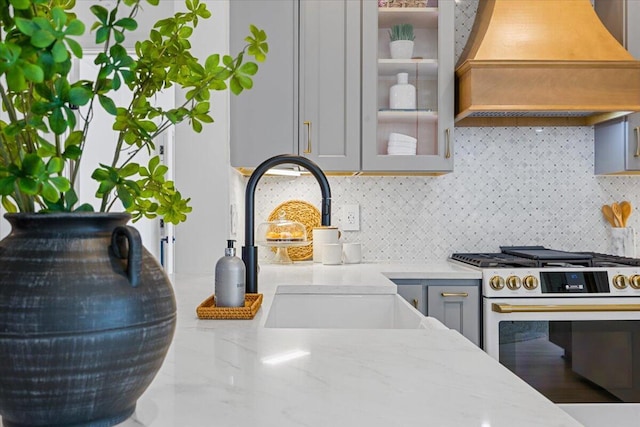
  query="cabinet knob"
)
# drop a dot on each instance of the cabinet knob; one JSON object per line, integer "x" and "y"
{"x": 415, "y": 303}
{"x": 620, "y": 281}
{"x": 530, "y": 282}
{"x": 513, "y": 282}
{"x": 308, "y": 150}
{"x": 496, "y": 283}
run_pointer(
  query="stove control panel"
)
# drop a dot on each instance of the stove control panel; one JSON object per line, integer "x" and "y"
{"x": 561, "y": 282}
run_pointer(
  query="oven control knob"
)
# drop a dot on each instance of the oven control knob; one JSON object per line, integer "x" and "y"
{"x": 496, "y": 283}
{"x": 513, "y": 282}
{"x": 620, "y": 281}
{"x": 634, "y": 281}
{"x": 530, "y": 283}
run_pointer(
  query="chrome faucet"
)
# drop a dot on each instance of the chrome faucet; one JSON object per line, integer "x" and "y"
{"x": 249, "y": 250}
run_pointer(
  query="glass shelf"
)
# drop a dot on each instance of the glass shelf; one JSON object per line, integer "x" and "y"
{"x": 425, "y": 68}
{"x": 426, "y": 17}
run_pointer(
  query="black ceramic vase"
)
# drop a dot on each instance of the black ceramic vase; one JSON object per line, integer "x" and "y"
{"x": 86, "y": 318}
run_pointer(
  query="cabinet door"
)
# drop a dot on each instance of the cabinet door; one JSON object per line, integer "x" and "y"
{"x": 632, "y": 140}
{"x": 415, "y": 295}
{"x": 617, "y": 145}
{"x": 430, "y": 71}
{"x": 329, "y": 122}
{"x": 458, "y": 307}
{"x": 264, "y": 119}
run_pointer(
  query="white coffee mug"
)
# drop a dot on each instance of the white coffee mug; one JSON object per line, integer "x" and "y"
{"x": 332, "y": 253}
{"x": 351, "y": 253}
{"x": 322, "y": 235}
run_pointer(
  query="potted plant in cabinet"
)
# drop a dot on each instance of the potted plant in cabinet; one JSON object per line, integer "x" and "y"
{"x": 401, "y": 41}
{"x": 86, "y": 313}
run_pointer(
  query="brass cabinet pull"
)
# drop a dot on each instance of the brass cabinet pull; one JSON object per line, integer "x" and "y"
{"x": 636, "y": 130}
{"x": 415, "y": 303}
{"x": 308, "y": 150}
{"x": 447, "y": 142}
{"x": 454, "y": 294}
{"x": 509, "y": 308}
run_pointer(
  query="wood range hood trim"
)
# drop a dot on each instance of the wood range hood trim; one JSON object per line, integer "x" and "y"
{"x": 543, "y": 62}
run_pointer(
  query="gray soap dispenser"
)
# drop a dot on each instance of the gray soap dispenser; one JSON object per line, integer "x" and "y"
{"x": 230, "y": 276}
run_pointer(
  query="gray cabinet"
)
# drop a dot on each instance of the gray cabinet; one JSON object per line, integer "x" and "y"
{"x": 458, "y": 307}
{"x": 264, "y": 119}
{"x": 456, "y": 303}
{"x": 431, "y": 71}
{"x": 617, "y": 141}
{"x": 617, "y": 145}
{"x": 415, "y": 294}
{"x": 329, "y": 124}
{"x": 305, "y": 98}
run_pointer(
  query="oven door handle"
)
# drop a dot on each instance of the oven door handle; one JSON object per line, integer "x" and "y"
{"x": 560, "y": 308}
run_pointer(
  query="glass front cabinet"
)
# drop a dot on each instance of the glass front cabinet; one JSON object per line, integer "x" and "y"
{"x": 390, "y": 127}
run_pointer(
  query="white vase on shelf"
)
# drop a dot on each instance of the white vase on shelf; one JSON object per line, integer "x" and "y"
{"x": 401, "y": 49}
{"x": 402, "y": 96}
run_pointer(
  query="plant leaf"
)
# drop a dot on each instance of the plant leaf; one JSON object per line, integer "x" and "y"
{"x": 49, "y": 192}
{"x": 42, "y": 39}
{"x": 128, "y": 24}
{"x": 20, "y": 4}
{"x": 33, "y": 73}
{"x": 100, "y": 12}
{"x": 75, "y": 28}
{"x": 26, "y": 26}
{"x": 108, "y": 104}
{"x": 59, "y": 52}
{"x": 33, "y": 165}
{"x": 79, "y": 95}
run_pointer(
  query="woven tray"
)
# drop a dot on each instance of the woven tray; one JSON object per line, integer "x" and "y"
{"x": 208, "y": 310}
{"x": 304, "y": 213}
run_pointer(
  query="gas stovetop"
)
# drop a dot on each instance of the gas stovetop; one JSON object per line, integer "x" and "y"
{"x": 540, "y": 257}
{"x": 530, "y": 271}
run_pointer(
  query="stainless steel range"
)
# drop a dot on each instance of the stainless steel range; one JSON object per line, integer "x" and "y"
{"x": 568, "y": 323}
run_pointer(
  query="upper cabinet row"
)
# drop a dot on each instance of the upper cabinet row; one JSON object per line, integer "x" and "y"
{"x": 325, "y": 91}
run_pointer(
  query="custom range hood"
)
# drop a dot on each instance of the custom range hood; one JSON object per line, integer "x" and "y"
{"x": 543, "y": 62}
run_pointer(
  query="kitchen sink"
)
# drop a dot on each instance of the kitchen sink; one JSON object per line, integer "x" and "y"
{"x": 345, "y": 311}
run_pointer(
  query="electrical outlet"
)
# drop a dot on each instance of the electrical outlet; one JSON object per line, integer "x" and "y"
{"x": 351, "y": 217}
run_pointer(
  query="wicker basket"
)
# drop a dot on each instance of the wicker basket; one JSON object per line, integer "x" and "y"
{"x": 304, "y": 213}
{"x": 208, "y": 310}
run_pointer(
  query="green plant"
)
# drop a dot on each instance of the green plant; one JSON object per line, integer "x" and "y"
{"x": 42, "y": 142}
{"x": 401, "y": 32}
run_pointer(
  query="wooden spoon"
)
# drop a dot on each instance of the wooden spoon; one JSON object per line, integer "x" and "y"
{"x": 608, "y": 215}
{"x": 626, "y": 209}
{"x": 617, "y": 213}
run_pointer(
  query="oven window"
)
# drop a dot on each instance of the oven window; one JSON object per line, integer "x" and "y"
{"x": 575, "y": 361}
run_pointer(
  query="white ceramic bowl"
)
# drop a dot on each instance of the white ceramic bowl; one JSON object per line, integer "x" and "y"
{"x": 394, "y": 136}
{"x": 402, "y": 144}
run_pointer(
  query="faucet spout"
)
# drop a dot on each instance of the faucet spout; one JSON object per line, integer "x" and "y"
{"x": 249, "y": 250}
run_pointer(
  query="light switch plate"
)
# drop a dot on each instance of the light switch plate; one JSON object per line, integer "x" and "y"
{"x": 351, "y": 218}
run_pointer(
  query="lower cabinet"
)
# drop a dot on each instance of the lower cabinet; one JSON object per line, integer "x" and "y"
{"x": 456, "y": 303}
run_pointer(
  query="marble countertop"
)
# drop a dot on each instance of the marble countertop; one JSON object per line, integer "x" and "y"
{"x": 226, "y": 373}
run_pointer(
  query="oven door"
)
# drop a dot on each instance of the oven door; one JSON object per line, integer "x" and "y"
{"x": 572, "y": 350}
